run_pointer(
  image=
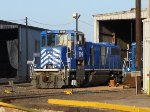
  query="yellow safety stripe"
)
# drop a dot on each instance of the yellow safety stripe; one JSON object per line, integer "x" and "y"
{"x": 97, "y": 105}
{"x": 148, "y": 82}
{"x": 16, "y": 107}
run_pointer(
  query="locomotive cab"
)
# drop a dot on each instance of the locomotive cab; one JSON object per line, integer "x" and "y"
{"x": 61, "y": 59}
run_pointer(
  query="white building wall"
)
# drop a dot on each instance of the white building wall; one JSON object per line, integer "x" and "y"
{"x": 146, "y": 53}
{"x": 146, "y": 37}
{"x": 119, "y": 15}
{"x": 96, "y": 30}
{"x": 124, "y": 15}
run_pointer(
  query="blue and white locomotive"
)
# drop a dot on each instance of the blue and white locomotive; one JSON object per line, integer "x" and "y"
{"x": 67, "y": 59}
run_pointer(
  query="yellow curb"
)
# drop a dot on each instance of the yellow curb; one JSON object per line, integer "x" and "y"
{"x": 148, "y": 92}
{"x": 16, "y": 107}
{"x": 97, "y": 105}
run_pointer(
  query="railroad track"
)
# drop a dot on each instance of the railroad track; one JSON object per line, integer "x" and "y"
{"x": 38, "y": 95}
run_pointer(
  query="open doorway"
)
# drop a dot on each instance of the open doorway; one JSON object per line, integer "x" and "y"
{"x": 124, "y": 31}
{"x": 8, "y": 53}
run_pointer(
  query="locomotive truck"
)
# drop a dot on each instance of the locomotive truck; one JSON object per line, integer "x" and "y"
{"x": 66, "y": 59}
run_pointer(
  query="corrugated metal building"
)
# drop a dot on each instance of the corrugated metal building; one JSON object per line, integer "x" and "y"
{"x": 118, "y": 25}
{"x": 13, "y": 61}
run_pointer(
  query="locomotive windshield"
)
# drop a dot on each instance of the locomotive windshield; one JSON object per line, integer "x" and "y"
{"x": 48, "y": 40}
{"x": 64, "y": 39}
{"x": 58, "y": 40}
{"x": 51, "y": 40}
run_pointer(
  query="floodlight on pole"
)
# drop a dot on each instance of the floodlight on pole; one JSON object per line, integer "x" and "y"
{"x": 76, "y": 16}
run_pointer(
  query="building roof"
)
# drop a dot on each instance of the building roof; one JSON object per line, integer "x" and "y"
{"x": 120, "y": 15}
{"x": 9, "y": 25}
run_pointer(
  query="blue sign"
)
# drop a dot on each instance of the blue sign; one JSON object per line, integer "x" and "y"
{"x": 80, "y": 53}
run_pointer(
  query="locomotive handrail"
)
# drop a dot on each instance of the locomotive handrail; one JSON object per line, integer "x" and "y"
{"x": 31, "y": 68}
{"x": 64, "y": 76}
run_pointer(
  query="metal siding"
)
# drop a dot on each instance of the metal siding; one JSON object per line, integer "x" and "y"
{"x": 20, "y": 56}
{"x": 33, "y": 35}
{"x": 22, "y": 74}
{"x": 119, "y": 15}
{"x": 96, "y": 64}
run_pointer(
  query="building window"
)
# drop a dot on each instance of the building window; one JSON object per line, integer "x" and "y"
{"x": 37, "y": 46}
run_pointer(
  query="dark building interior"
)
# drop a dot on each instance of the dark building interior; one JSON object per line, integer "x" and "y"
{"x": 8, "y": 52}
{"x": 122, "y": 31}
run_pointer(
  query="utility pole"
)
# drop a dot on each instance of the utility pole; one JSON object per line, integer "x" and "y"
{"x": 138, "y": 46}
{"x": 76, "y": 16}
{"x": 27, "y": 73}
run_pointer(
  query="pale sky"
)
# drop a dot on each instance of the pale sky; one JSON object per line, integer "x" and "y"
{"x": 57, "y": 14}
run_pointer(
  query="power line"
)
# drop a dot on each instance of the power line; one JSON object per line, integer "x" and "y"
{"x": 86, "y": 23}
{"x": 51, "y": 24}
{"x": 17, "y": 20}
{"x": 46, "y": 24}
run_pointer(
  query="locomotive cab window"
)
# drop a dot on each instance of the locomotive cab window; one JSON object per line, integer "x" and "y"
{"x": 65, "y": 40}
{"x": 62, "y": 39}
{"x": 70, "y": 44}
{"x": 80, "y": 39}
{"x": 51, "y": 40}
{"x": 43, "y": 41}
